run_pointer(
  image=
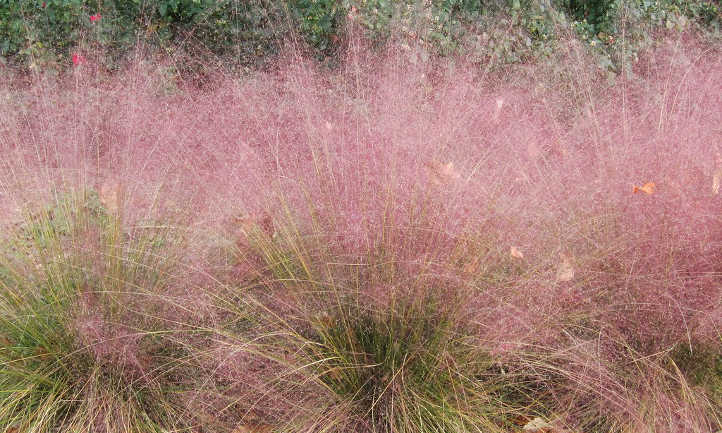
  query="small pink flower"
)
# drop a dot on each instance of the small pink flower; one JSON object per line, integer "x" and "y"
{"x": 352, "y": 13}
{"x": 95, "y": 17}
{"x": 78, "y": 59}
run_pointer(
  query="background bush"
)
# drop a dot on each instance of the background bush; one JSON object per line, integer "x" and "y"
{"x": 46, "y": 31}
{"x": 42, "y": 33}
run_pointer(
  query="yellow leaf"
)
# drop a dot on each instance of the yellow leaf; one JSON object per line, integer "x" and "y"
{"x": 514, "y": 252}
{"x": 647, "y": 188}
{"x": 716, "y": 181}
{"x": 537, "y": 424}
{"x": 109, "y": 195}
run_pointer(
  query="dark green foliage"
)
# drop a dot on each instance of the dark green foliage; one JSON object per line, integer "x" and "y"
{"x": 42, "y": 34}
{"x": 36, "y": 31}
{"x": 35, "y": 28}
{"x": 412, "y": 368}
{"x": 595, "y": 17}
{"x": 707, "y": 12}
{"x": 388, "y": 346}
{"x": 599, "y": 14}
{"x": 243, "y": 30}
{"x": 319, "y": 21}
{"x": 702, "y": 365}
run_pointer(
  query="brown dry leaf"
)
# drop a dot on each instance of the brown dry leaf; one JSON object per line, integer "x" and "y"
{"x": 647, "y": 188}
{"x": 472, "y": 267}
{"x": 253, "y": 428}
{"x": 521, "y": 420}
{"x": 565, "y": 270}
{"x": 514, "y": 252}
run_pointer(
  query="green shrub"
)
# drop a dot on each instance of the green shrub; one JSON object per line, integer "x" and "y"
{"x": 599, "y": 15}
{"x": 45, "y": 32}
{"x": 42, "y": 34}
{"x": 318, "y": 21}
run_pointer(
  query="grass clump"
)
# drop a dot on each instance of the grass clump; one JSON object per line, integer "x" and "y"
{"x": 408, "y": 369}
{"x": 407, "y": 363}
{"x": 701, "y": 365}
{"x": 76, "y": 351}
{"x": 398, "y": 245}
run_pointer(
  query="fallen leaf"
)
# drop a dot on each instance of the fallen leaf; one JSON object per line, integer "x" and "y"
{"x": 109, "y": 196}
{"x": 514, "y": 252}
{"x": 537, "y": 424}
{"x": 521, "y": 420}
{"x": 499, "y": 106}
{"x": 565, "y": 270}
{"x": 442, "y": 173}
{"x": 449, "y": 172}
{"x": 472, "y": 267}
{"x": 253, "y": 428}
{"x": 716, "y": 181}
{"x": 647, "y": 188}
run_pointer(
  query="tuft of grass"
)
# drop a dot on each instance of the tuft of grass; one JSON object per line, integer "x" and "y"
{"x": 701, "y": 365}
{"x": 407, "y": 369}
{"x": 76, "y": 353}
{"x": 406, "y": 364}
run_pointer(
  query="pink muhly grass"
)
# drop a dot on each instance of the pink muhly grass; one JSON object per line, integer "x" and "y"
{"x": 112, "y": 345}
{"x": 381, "y": 177}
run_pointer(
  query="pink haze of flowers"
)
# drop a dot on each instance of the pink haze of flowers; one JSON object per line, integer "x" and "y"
{"x": 436, "y": 168}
